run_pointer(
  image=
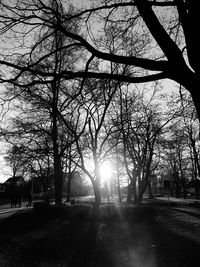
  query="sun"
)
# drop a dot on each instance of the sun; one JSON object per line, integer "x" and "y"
{"x": 105, "y": 171}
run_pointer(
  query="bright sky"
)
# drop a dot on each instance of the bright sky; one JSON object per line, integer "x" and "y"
{"x": 5, "y": 113}
{"x": 5, "y": 172}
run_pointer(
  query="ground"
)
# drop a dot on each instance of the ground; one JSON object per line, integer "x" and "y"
{"x": 152, "y": 235}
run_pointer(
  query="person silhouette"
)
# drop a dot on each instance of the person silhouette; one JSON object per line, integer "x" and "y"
{"x": 30, "y": 198}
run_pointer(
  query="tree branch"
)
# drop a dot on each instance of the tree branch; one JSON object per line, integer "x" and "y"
{"x": 122, "y": 78}
{"x": 149, "y": 64}
{"x": 168, "y": 46}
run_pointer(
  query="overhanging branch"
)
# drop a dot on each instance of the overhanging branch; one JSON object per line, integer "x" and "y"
{"x": 145, "y": 63}
{"x": 122, "y": 78}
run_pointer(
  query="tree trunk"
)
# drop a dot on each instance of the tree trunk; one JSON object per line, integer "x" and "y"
{"x": 129, "y": 193}
{"x": 132, "y": 191}
{"x": 118, "y": 176}
{"x": 149, "y": 189}
{"x": 143, "y": 187}
{"x": 97, "y": 203}
{"x": 196, "y": 166}
{"x": 69, "y": 187}
{"x": 196, "y": 184}
{"x": 58, "y": 180}
{"x": 193, "y": 89}
{"x": 97, "y": 193}
{"x": 118, "y": 188}
{"x": 196, "y": 188}
{"x": 183, "y": 184}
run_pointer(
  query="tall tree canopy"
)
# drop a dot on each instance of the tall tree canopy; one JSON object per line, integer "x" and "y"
{"x": 46, "y": 43}
{"x": 153, "y": 39}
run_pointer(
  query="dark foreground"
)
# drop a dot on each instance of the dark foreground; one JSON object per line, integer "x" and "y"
{"x": 146, "y": 236}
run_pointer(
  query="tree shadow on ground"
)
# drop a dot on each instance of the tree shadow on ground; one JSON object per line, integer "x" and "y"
{"x": 192, "y": 213}
{"x": 72, "y": 244}
{"x": 127, "y": 236}
{"x": 22, "y": 222}
{"x": 172, "y": 247}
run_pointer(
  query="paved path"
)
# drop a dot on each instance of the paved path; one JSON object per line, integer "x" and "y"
{"x": 6, "y": 210}
{"x": 178, "y": 200}
{"x": 166, "y": 199}
{"x": 173, "y": 201}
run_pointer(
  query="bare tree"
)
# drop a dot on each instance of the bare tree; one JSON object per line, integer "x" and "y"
{"x": 191, "y": 132}
{"x": 135, "y": 33}
{"x": 92, "y": 143}
{"x": 14, "y": 159}
{"x": 140, "y": 123}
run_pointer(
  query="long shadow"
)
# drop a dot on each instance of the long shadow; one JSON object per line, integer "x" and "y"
{"x": 172, "y": 249}
{"x": 91, "y": 252}
{"x": 73, "y": 244}
{"x": 22, "y": 222}
{"x": 194, "y": 214}
{"x": 64, "y": 241}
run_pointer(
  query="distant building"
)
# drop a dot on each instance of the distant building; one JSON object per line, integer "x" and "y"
{"x": 76, "y": 183}
{"x": 168, "y": 183}
{"x": 2, "y": 190}
{"x": 163, "y": 184}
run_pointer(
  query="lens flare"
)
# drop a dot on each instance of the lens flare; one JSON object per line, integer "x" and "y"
{"x": 105, "y": 171}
